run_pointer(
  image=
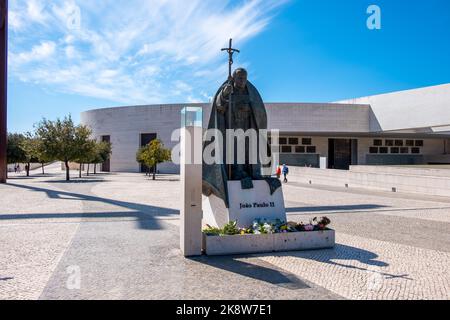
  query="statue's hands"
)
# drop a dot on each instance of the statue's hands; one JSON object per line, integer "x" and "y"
{"x": 221, "y": 109}
{"x": 227, "y": 90}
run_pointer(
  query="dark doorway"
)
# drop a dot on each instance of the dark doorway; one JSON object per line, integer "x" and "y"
{"x": 146, "y": 138}
{"x": 106, "y": 166}
{"x": 342, "y": 153}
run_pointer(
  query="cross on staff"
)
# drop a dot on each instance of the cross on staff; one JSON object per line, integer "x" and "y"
{"x": 230, "y": 52}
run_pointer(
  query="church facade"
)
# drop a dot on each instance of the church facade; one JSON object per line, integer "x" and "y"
{"x": 401, "y": 128}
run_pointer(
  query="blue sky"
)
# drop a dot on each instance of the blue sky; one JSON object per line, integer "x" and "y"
{"x": 75, "y": 55}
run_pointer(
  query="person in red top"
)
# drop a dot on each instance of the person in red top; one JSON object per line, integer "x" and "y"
{"x": 278, "y": 173}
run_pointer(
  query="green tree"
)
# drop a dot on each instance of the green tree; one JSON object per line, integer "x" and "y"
{"x": 30, "y": 146}
{"x": 103, "y": 151}
{"x": 153, "y": 154}
{"x": 15, "y": 153}
{"x": 86, "y": 153}
{"x": 34, "y": 152}
{"x": 63, "y": 141}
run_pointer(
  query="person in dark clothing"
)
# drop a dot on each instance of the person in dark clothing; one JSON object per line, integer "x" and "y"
{"x": 285, "y": 172}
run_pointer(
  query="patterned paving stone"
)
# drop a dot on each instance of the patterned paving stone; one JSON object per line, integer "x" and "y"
{"x": 360, "y": 268}
{"x": 119, "y": 234}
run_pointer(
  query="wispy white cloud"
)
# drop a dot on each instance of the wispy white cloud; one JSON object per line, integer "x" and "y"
{"x": 130, "y": 51}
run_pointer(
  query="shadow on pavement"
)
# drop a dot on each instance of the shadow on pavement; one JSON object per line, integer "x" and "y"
{"x": 258, "y": 270}
{"x": 141, "y": 212}
{"x": 342, "y": 253}
{"x": 78, "y": 180}
{"x": 335, "y": 208}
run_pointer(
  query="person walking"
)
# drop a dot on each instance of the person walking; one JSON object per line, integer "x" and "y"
{"x": 285, "y": 172}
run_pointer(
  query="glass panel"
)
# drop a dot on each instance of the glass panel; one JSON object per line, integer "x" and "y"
{"x": 311, "y": 149}
{"x": 373, "y": 150}
{"x": 377, "y": 143}
{"x": 293, "y": 141}
{"x": 404, "y": 150}
{"x": 300, "y": 149}
{"x": 286, "y": 149}
{"x": 307, "y": 141}
{"x": 192, "y": 117}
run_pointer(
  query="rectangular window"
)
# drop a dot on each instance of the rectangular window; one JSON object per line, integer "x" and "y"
{"x": 404, "y": 150}
{"x": 306, "y": 141}
{"x": 299, "y": 149}
{"x": 419, "y": 143}
{"x": 286, "y": 149}
{"x": 378, "y": 143}
{"x": 283, "y": 141}
{"x": 415, "y": 150}
{"x": 399, "y": 143}
{"x": 384, "y": 150}
{"x": 311, "y": 149}
{"x": 373, "y": 150}
{"x": 410, "y": 143}
{"x": 389, "y": 143}
{"x": 395, "y": 150}
{"x": 293, "y": 141}
{"x": 146, "y": 138}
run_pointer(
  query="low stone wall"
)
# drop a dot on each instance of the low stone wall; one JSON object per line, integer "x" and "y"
{"x": 427, "y": 181}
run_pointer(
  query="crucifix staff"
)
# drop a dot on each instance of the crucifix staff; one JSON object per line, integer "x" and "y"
{"x": 230, "y": 52}
{"x": 3, "y": 87}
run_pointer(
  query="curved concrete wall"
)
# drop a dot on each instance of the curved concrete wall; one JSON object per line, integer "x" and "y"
{"x": 126, "y": 124}
{"x": 410, "y": 109}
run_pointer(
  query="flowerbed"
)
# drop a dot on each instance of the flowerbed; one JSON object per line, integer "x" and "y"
{"x": 264, "y": 226}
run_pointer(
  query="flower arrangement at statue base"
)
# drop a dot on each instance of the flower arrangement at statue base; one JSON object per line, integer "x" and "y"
{"x": 265, "y": 236}
{"x": 264, "y": 226}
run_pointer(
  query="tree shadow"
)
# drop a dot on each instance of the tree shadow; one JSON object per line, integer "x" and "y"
{"x": 164, "y": 179}
{"x": 6, "y": 279}
{"x": 335, "y": 208}
{"x": 141, "y": 212}
{"x": 21, "y": 178}
{"x": 75, "y": 181}
{"x": 258, "y": 270}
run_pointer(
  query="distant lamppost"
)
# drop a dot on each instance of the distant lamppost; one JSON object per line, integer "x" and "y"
{"x": 3, "y": 87}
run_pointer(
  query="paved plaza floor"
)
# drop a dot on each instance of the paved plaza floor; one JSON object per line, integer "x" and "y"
{"x": 115, "y": 236}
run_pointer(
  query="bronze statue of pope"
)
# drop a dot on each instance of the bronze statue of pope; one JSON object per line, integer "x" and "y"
{"x": 244, "y": 111}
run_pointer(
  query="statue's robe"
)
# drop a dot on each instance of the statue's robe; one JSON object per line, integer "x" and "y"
{"x": 215, "y": 177}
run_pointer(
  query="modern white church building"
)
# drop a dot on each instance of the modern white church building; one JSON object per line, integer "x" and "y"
{"x": 401, "y": 128}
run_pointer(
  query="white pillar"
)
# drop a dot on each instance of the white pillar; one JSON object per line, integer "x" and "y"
{"x": 191, "y": 194}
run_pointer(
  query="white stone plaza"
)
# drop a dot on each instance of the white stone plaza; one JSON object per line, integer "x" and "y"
{"x": 116, "y": 236}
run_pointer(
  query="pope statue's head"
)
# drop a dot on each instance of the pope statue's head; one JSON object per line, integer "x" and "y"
{"x": 240, "y": 78}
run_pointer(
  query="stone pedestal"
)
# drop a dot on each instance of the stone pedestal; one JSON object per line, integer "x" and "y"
{"x": 191, "y": 183}
{"x": 245, "y": 205}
